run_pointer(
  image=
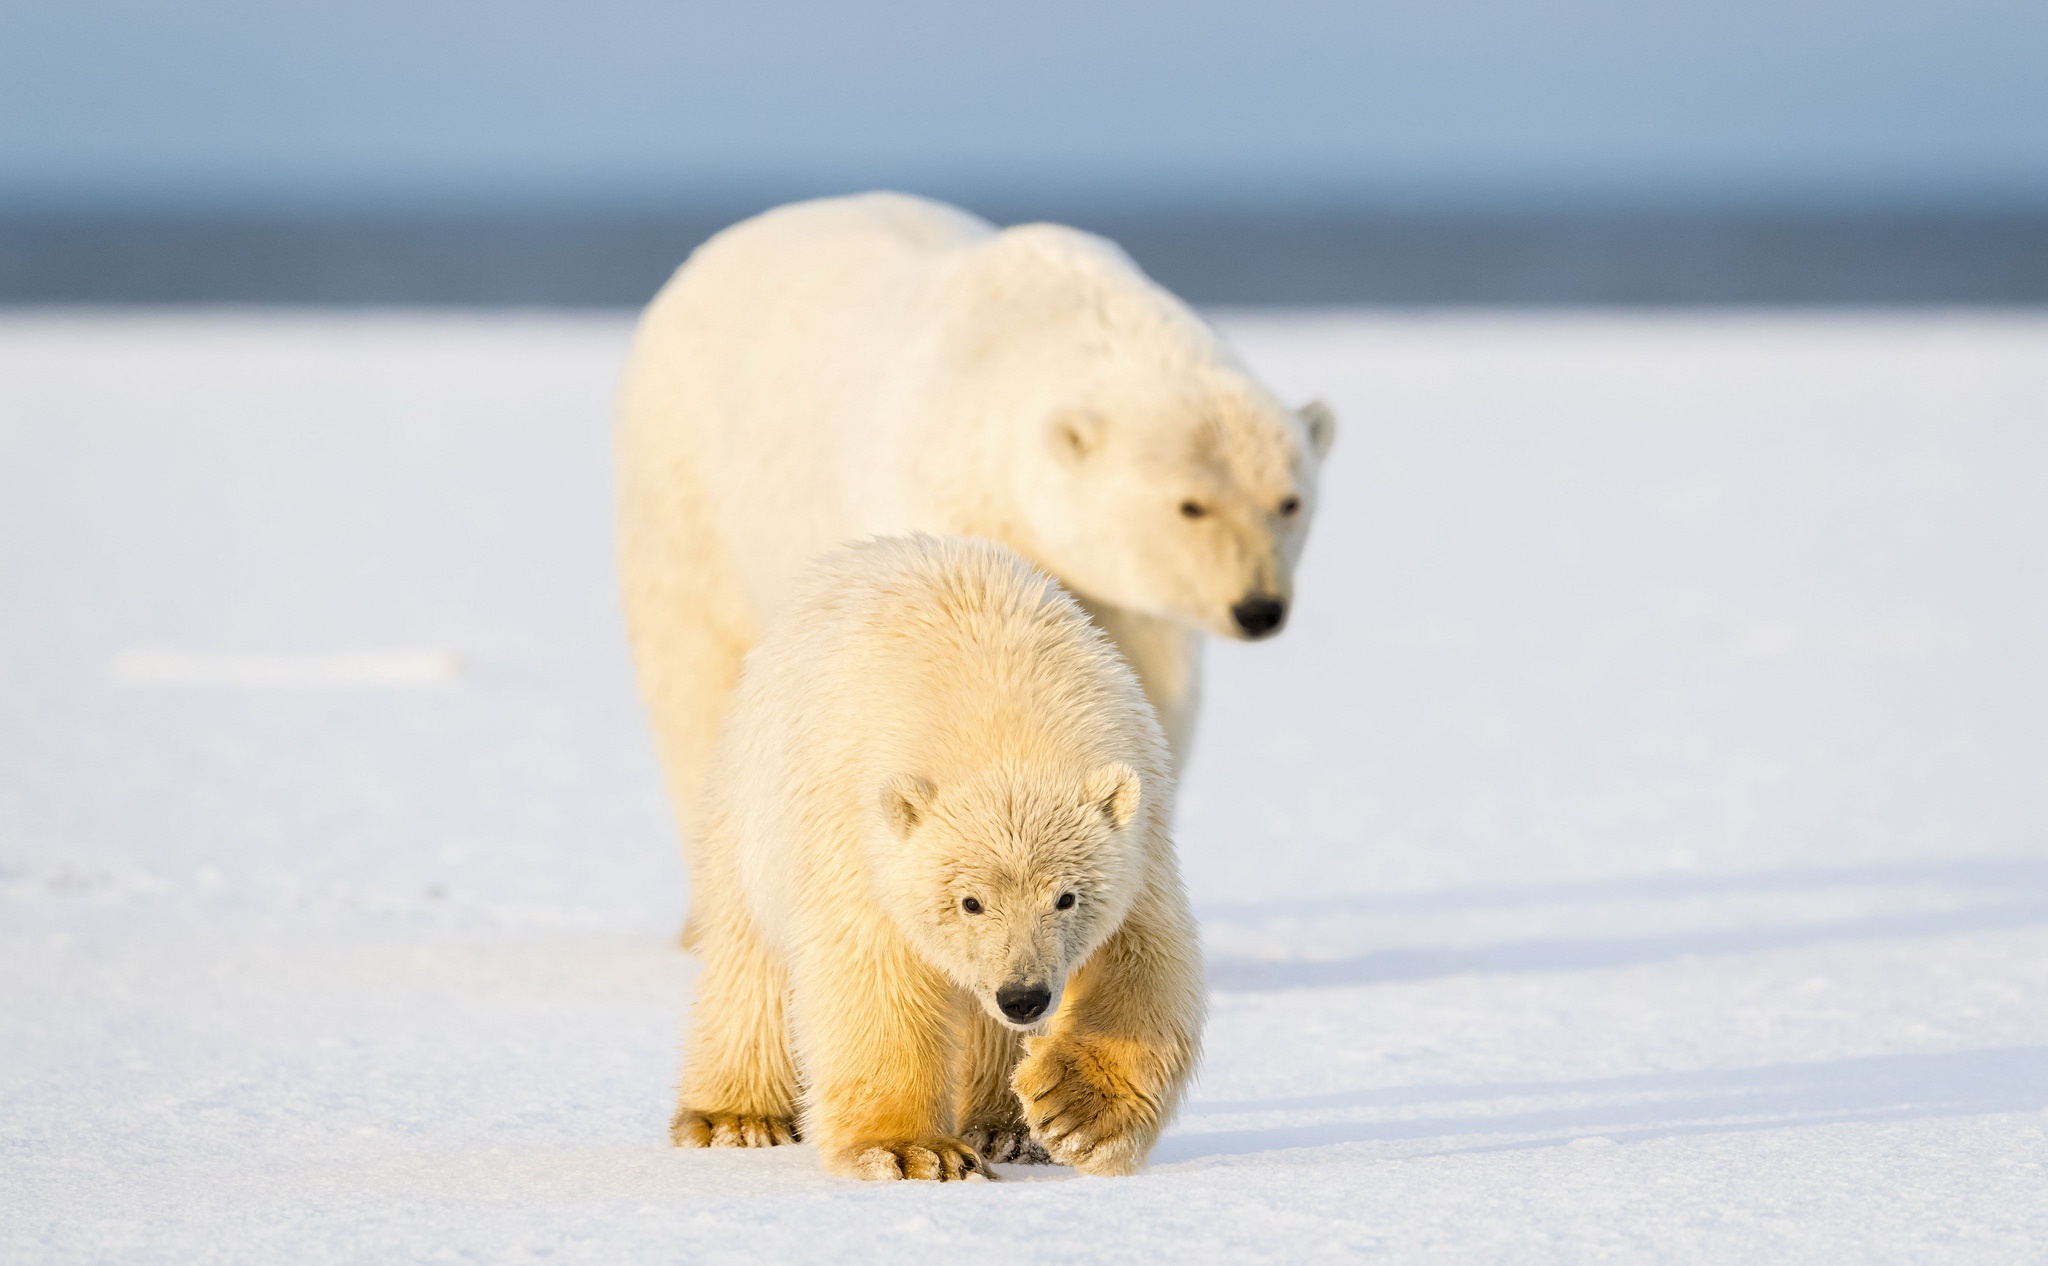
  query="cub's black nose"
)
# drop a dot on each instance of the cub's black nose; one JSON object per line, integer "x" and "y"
{"x": 1258, "y": 615}
{"x": 1023, "y": 1003}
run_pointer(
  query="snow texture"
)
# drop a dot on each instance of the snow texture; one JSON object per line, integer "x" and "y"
{"x": 1637, "y": 848}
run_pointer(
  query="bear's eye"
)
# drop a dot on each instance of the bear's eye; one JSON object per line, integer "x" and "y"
{"x": 1193, "y": 509}
{"x": 1066, "y": 901}
{"x": 971, "y": 906}
{"x": 1289, "y": 505}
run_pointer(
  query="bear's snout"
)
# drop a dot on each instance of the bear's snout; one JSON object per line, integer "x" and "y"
{"x": 1023, "y": 1003}
{"x": 1259, "y": 615}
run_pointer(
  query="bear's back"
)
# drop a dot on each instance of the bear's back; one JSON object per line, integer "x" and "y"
{"x": 922, "y": 652}
{"x": 823, "y": 247}
{"x": 969, "y": 649}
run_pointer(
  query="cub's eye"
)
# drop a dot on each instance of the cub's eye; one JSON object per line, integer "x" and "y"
{"x": 971, "y": 906}
{"x": 1289, "y": 505}
{"x": 1192, "y": 509}
{"x": 1066, "y": 901}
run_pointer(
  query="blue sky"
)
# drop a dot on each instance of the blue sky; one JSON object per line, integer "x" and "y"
{"x": 412, "y": 102}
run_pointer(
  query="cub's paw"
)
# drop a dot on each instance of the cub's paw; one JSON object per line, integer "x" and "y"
{"x": 730, "y": 1129}
{"x": 1084, "y": 1106}
{"x": 931, "y": 1160}
{"x": 1007, "y": 1144}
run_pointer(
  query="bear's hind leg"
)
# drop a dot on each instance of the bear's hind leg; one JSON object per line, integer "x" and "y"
{"x": 739, "y": 1082}
{"x": 991, "y": 1115}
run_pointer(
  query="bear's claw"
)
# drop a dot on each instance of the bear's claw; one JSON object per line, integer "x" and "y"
{"x": 691, "y": 1128}
{"x": 929, "y": 1160}
{"x": 1007, "y": 1144}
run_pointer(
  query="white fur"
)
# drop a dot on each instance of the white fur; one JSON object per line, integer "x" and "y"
{"x": 875, "y": 365}
{"x": 934, "y": 723}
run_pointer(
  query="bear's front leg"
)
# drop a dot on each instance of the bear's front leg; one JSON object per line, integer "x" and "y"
{"x": 1103, "y": 1083}
{"x": 875, "y": 1040}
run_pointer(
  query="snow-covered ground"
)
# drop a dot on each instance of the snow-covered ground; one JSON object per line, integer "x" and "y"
{"x": 1638, "y": 847}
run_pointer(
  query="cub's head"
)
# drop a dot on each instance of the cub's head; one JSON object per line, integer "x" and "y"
{"x": 1008, "y": 883}
{"x": 1191, "y": 507}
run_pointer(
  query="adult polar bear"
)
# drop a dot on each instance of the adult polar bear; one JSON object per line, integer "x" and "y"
{"x": 879, "y": 365}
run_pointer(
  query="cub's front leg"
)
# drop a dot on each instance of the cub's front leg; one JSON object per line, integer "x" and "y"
{"x": 875, "y": 1040}
{"x": 1098, "y": 1089}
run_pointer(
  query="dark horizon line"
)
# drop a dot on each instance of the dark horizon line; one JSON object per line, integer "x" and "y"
{"x": 617, "y": 256}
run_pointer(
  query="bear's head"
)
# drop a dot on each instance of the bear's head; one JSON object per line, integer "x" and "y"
{"x": 1151, "y": 470}
{"x": 1007, "y": 881}
{"x": 1189, "y": 509}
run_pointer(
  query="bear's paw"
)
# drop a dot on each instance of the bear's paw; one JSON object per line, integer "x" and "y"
{"x": 1085, "y": 1106}
{"x": 929, "y": 1160}
{"x": 731, "y": 1129}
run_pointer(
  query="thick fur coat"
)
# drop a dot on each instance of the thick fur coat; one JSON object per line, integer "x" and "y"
{"x": 937, "y": 899}
{"x": 876, "y": 365}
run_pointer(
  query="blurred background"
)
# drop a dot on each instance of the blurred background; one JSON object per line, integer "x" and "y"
{"x": 1300, "y": 152}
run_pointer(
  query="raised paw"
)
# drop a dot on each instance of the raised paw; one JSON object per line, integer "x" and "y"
{"x": 1007, "y": 1144}
{"x": 730, "y": 1129}
{"x": 930, "y": 1160}
{"x": 1084, "y": 1107}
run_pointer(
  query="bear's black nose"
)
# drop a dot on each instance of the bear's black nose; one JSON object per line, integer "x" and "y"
{"x": 1259, "y": 615}
{"x": 1023, "y": 1003}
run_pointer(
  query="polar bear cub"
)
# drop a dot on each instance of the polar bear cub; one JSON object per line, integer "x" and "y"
{"x": 940, "y": 915}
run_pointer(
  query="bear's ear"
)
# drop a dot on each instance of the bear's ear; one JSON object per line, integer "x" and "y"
{"x": 1074, "y": 434}
{"x": 906, "y": 800}
{"x": 1115, "y": 790}
{"x": 1321, "y": 421}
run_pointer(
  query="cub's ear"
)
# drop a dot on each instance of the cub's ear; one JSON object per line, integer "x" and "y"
{"x": 1321, "y": 422}
{"x": 1074, "y": 434}
{"x": 907, "y": 801}
{"x": 1115, "y": 790}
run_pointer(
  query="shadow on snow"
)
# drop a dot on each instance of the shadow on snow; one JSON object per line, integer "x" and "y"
{"x": 2007, "y": 895}
{"x": 1654, "y": 1105}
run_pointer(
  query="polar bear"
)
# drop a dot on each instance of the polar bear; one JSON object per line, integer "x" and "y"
{"x": 876, "y": 365}
{"x": 938, "y": 906}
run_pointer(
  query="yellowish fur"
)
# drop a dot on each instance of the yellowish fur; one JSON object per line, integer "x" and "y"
{"x": 835, "y": 370}
{"x": 934, "y": 723}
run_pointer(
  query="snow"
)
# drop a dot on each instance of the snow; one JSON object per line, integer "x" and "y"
{"x": 1637, "y": 848}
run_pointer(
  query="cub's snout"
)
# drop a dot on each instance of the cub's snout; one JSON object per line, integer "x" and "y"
{"x": 1023, "y": 1003}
